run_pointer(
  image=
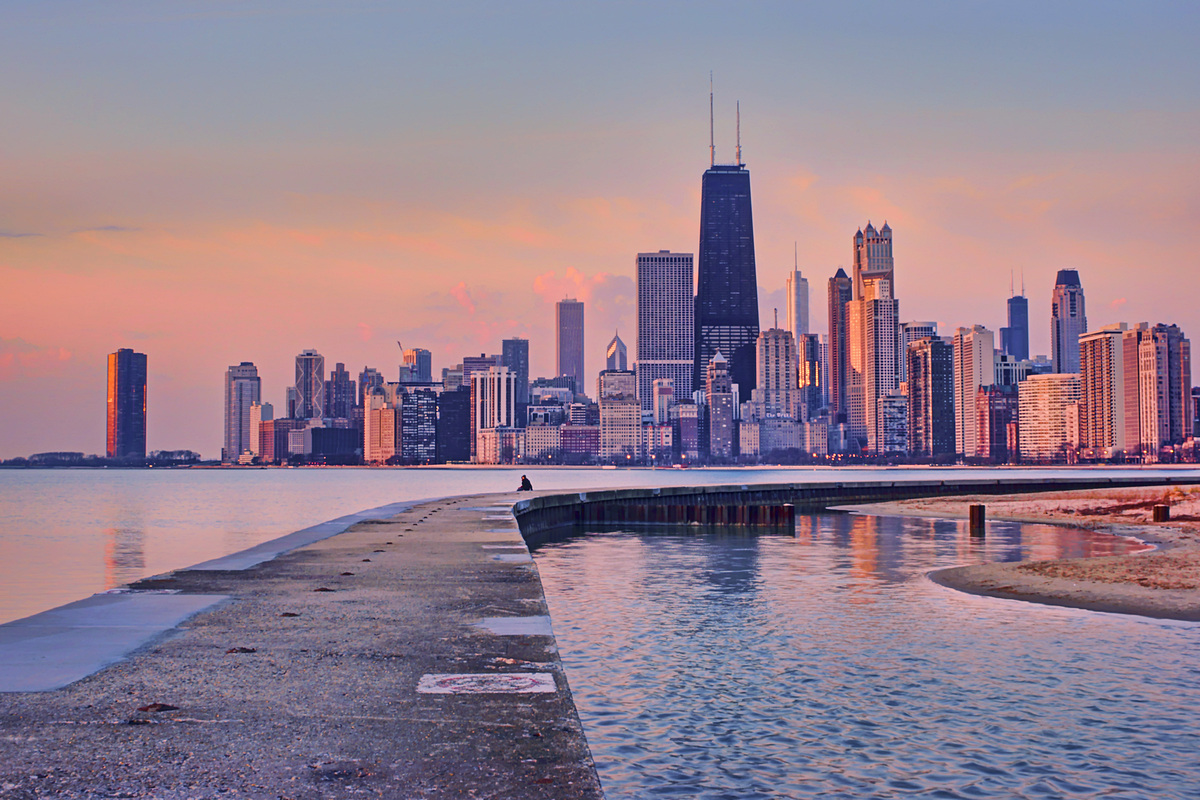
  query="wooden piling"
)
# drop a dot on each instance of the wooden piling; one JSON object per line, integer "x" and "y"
{"x": 977, "y": 519}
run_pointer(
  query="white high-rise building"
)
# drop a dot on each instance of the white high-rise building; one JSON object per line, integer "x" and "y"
{"x": 974, "y": 366}
{"x": 1102, "y": 392}
{"x": 777, "y": 394}
{"x": 242, "y": 390}
{"x": 620, "y": 416}
{"x": 379, "y": 428}
{"x": 665, "y": 324}
{"x": 797, "y": 304}
{"x": 493, "y": 402}
{"x": 1048, "y": 408}
{"x": 259, "y": 413}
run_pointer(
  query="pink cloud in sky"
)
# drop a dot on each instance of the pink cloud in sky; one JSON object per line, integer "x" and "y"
{"x": 21, "y": 358}
{"x": 463, "y": 295}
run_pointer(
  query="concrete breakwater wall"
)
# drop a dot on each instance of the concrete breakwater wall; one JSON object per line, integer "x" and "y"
{"x": 730, "y": 504}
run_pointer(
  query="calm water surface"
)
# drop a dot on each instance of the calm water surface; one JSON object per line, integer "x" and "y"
{"x": 827, "y": 665}
{"x": 67, "y": 533}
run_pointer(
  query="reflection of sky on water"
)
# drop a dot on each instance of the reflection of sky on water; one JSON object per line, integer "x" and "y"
{"x": 740, "y": 665}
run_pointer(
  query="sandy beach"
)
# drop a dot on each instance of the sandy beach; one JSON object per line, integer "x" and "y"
{"x": 1162, "y": 583}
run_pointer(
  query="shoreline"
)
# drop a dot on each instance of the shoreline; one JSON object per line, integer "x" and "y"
{"x": 1158, "y": 583}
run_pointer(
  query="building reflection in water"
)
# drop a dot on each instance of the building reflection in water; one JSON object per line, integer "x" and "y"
{"x": 732, "y": 569}
{"x": 124, "y": 556}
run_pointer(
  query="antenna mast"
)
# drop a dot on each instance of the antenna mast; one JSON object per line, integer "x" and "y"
{"x": 796, "y": 256}
{"x": 739, "y": 133}
{"x": 712, "y": 147}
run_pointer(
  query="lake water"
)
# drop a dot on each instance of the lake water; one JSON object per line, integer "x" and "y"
{"x": 828, "y": 665}
{"x": 68, "y": 533}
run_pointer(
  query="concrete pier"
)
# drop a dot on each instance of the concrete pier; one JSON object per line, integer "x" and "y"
{"x": 411, "y": 656}
{"x": 406, "y": 658}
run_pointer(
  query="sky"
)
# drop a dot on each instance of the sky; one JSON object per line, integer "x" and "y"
{"x": 216, "y": 182}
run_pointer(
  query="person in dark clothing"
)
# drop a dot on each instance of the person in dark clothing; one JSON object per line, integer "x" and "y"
{"x": 526, "y": 486}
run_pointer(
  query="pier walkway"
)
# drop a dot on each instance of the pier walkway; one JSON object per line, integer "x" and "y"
{"x": 404, "y": 658}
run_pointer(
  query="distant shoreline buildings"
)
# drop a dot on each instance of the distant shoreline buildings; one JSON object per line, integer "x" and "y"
{"x": 707, "y": 384}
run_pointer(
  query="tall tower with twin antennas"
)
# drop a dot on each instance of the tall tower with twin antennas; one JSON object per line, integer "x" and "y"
{"x": 726, "y": 317}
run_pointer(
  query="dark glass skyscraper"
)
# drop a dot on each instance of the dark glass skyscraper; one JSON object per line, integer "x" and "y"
{"x": 841, "y": 292}
{"x": 126, "y": 404}
{"x": 515, "y": 356}
{"x": 727, "y": 292}
{"x": 1068, "y": 319}
{"x": 1014, "y": 340}
{"x": 568, "y": 324}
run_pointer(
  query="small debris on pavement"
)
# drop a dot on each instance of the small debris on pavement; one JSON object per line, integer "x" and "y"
{"x": 155, "y": 708}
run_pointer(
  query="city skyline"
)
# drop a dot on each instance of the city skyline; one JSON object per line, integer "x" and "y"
{"x": 1079, "y": 154}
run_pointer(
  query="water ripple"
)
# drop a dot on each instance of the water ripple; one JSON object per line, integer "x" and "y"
{"x": 769, "y": 667}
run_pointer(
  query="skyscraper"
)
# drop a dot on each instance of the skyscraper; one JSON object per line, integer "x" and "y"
{"x": 310, "y": 385}
{"x": 493, "y": 404}
{"x": 568, "y": 324}
{"x": 727, "y": 286}
{"x": 370, "y": 378}
{"x": 777, "y": 394}
{"x": 340, "y": 393}
{"x": 719, "y": 395}
{"x": 1068, "y": 321}
{"x": 616, "y": 355}
{"x": 812, "y": 376}
{"x": 873, "y": 257}
{"x": 1164, "y": 389}
{"x": 126, "y": 404}
{"x": 1102, "y": 392}
{"x": 1014, "y": 340}
{"x": 421, "y": 363}
{"x": 974, "y": 366}
{"x": 666, "y": 335}
{"x": 1045, "y": 420}
{"x": 930, "y": 397}
{"x": 841, "y": 292}
{"x": 620, "y": 416}
{"x": 796, "y": 288}
{"x": 911, "y": 332}
{"x": 514, "y": 354}
{"x": 242, "y": 390}
{"x": 873, "y": 369}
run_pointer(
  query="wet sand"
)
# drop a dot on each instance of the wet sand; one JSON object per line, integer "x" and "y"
{"x": 1163, "y": 583}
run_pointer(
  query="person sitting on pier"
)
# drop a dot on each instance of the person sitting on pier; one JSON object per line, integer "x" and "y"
{"x": 526, "y": 486}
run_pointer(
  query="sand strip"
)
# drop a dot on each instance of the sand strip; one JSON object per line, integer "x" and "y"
{"x": 1164, "y": 583}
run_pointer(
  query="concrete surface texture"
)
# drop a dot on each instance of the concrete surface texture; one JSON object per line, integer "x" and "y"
{"x": 405, "y": 658}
